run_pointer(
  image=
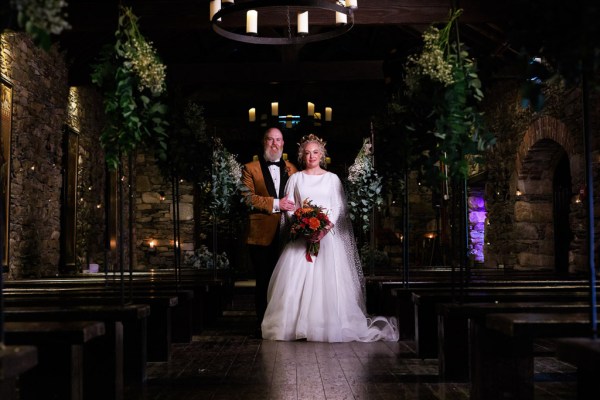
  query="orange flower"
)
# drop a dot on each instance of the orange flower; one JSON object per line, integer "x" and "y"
{"x": 314, "y": 223}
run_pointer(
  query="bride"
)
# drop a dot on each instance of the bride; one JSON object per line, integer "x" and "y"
{"x": 321, "y": 300}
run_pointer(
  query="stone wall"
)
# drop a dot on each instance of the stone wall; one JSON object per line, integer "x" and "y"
{"x": 40, "y": 93}
{"x": 43, "y": 105}
{"x": 154, "y": 217}
{"x": 519, "y": 232}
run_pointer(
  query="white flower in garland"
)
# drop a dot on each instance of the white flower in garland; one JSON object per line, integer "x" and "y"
{"x": 46, "y": 15}
{"x": 143, "y": 60}
{"x": 364, "y": 186}
{"x": 226, "y": 179}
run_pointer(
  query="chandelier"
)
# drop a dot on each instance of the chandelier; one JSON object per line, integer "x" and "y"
{"x": 313, "y": 116}
{"x": 286, "y": 21}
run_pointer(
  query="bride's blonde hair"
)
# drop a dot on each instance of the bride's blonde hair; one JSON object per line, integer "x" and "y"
{"x": 312, "y": 139}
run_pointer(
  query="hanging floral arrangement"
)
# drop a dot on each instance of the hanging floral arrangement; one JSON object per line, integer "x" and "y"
{"x": 132, "y": 80}
{"x": 364, "y": 187}
{"x": 445, "y": 73}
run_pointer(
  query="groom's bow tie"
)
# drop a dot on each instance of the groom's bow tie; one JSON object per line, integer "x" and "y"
{"x": 277, "y": 163}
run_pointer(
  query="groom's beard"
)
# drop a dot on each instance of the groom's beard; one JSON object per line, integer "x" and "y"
{"x": 273, "y": 155}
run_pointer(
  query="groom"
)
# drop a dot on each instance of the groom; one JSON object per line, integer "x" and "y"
{"x": 265, "y": 180}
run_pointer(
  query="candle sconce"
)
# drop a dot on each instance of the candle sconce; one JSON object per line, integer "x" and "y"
{"x": 289, "y": 120}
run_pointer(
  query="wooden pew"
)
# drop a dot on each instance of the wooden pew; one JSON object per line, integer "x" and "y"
{"x": 501, "y": 350}
{"x": 158, "y": 323}
{"x": 453, "y": 329}
{"x": 425, "y": 303}
{"x": 131, "y": 317}
{"x": 14, "y": 360}
{"x": 59, "y": 372}
{"x": 584, "y": 353}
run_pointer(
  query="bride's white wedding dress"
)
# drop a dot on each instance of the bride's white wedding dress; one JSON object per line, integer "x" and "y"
{"x": 322, "y": 300}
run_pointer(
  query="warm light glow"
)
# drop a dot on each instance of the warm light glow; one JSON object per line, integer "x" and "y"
{"x": 310, "y": 109}
{"x": 328, "y": 112}
{"x": 255, "y": 158}
{"x": 215, "y": 6}
{"x": 518, "y": 192}
{"x": 252, "y": 22}
{"x": 98, "y": 205}
{"x": 274, "y": 108}
{"x": 284, "y": 156}
{"x": 327, "y": 160}
{"x": 352, "y": 3}
{"x": 252, "y": 114}
{"x": 430, "y": 235}
{"x": 152, "y": 244}
{"x": 74, "y": 109}
{"x": 288, "y": 121}
{"x": 303, "y": 23}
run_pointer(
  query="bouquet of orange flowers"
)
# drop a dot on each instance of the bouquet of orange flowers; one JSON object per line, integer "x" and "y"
{"x": 307, "y": 222}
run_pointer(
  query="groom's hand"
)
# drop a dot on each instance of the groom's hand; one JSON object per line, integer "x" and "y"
{"x": 286, "y": 204}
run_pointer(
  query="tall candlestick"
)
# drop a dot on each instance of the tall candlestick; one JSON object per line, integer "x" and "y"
{"x": 274, "y": 108}
{"x": 310, "y": 109}
{"x": 252, "y": 114}
{"x": 252, "y": 22}
{"x": 328, "y": 112}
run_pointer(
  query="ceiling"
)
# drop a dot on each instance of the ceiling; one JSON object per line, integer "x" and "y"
{"x": 228, "y": 77}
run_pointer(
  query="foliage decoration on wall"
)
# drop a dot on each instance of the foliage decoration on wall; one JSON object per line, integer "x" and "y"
{"x": 132, "y": 79}
{"x": 364, "y": 187}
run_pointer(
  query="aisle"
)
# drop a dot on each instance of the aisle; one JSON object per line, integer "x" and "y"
{"x": 226, "y": 362}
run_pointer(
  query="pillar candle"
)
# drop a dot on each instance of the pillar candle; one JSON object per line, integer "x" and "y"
{"x": 252, "y": 21}
{"x": 275, "y": 109}
{"x": 310, "y": 109}
{"x": 341, "y": 18}
{"x": 215, "y": 6}
{"x": 328, "y": 112}
{"x": 303, "y": 23}
{"x": 252, "y": 114}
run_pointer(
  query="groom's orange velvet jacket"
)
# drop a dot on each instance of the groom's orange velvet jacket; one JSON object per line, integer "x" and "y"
{"x": 261, "y": 193}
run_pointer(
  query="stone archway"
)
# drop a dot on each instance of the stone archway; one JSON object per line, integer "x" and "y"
{"x": 544, "y": 145}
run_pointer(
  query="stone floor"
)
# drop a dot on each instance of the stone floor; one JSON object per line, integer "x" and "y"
{"x": 227, "y": 362}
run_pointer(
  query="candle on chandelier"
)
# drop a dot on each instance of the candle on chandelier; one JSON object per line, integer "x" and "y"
{"x": 303, "y": 23}
{"x": 310, "y": 109}
{"x": 328, "y": 112}
{"x": 341, "y": 18}
{"x": 215, "y": 6}
{"x": 252, "y": 22}
{"x": 274, "y": 108}
{"x": 252, "y": 114}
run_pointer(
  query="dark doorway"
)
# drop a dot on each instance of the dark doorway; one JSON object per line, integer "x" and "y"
{"x": 562, "y": 200}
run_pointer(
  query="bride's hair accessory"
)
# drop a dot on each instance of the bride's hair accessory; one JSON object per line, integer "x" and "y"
{"x": 312, "y": 138}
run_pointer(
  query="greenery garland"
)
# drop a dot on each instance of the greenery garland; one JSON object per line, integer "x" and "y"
{"x": 445, "y": 73}
{"x": 132, "y": 79}
{"x": 364, "y": 187}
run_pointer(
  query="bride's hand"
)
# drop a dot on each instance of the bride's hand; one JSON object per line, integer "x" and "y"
{"x": 319, "y": 235}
